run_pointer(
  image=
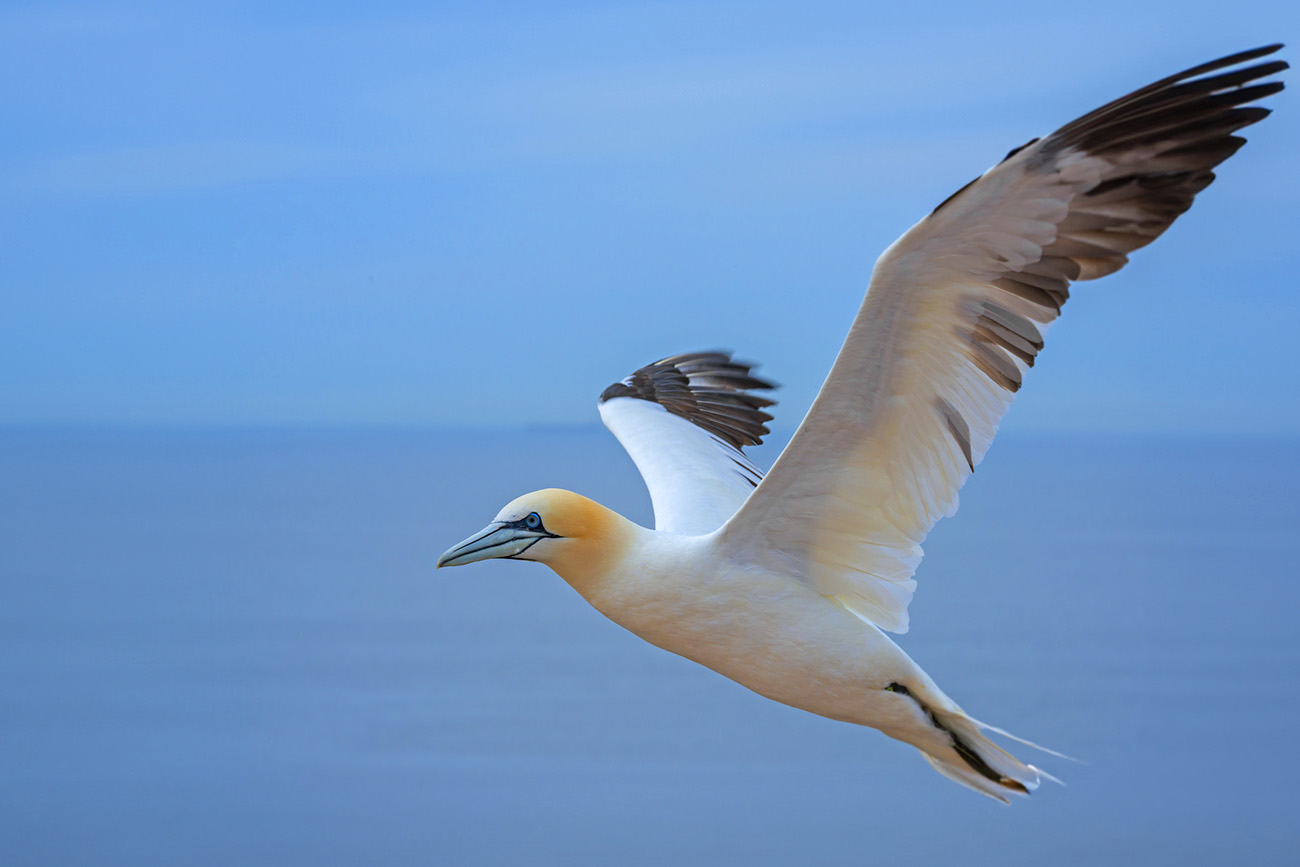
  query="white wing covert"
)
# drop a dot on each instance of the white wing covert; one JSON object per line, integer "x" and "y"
{"x": 954, "y": 316}
{"x": 685, "y": 421}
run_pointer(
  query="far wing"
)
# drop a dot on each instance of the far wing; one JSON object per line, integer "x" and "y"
{"x": 685, "y": 421}
{"x": 954, "y": 316}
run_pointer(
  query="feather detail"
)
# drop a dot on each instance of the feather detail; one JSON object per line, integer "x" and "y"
{"x": 685, "y": 421}
{"x": 955, "y": 316}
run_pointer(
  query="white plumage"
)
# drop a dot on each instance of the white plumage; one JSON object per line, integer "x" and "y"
{"x": 785, "y": 583}
{"x": 696, "y": 481}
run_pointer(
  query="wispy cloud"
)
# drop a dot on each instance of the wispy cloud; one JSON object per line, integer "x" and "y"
{"x": 166, "y": 168}
{"x": 618, "y": 107}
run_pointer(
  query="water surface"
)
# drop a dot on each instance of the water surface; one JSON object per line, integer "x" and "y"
{"x": 225, "y": 647}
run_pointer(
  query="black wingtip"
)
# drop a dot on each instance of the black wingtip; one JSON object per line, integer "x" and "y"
{"x": 711, "y": 389}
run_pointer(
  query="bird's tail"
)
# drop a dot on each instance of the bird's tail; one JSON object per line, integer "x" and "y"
{"x": 974, "y": 760}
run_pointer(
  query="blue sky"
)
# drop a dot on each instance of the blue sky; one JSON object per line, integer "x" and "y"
{"x": 484, "y": 213}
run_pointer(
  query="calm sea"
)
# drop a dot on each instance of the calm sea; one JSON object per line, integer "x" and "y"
{"x": 230, "y": 647}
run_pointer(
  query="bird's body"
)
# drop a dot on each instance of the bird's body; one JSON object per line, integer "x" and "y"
{"x": 693, "y": 596}
{"x": 775, "y": 636}
{"x": 785, "y": 582}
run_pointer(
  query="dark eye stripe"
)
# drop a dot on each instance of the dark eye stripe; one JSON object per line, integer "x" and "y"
{"x": 533, "y": 523}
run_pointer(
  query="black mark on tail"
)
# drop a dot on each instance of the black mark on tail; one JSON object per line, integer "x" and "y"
{"x": 963, "y": 749}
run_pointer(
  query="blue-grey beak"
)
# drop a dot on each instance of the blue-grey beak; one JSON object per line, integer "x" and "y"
{"x": 495, "y": 540}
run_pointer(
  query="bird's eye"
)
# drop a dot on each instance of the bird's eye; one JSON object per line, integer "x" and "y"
{"x": 533, "y": 521}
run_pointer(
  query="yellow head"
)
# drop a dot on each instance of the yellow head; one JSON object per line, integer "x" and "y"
{"x": 575, "y": 536}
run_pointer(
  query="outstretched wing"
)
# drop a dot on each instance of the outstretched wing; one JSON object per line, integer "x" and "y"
{"x": 685, "y": 421}
{"x": 954, "y": 316}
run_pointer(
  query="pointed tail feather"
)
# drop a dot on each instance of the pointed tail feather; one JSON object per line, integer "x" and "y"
{"x": 976, "y": 762}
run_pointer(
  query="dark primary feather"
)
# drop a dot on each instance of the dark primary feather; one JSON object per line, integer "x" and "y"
{"x": 1163, "y": 141}
{"x": 1161, "y": 144}
{"x": 708, "y": 389}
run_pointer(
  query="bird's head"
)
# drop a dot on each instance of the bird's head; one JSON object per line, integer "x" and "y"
{"x": 564, "y": 530}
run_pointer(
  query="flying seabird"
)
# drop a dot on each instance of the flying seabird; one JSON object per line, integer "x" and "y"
{"x": 787, "y": 582}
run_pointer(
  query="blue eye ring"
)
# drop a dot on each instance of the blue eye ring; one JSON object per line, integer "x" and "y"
{"x": 533, "y": 521}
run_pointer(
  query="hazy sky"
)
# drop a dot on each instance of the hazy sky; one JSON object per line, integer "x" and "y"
{"x": 484, "y": 213}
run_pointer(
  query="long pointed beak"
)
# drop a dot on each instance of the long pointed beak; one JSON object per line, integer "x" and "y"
{"x": 494, "y": 540}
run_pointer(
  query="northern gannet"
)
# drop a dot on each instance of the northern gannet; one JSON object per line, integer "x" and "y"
{"x": 786, "y": 583}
